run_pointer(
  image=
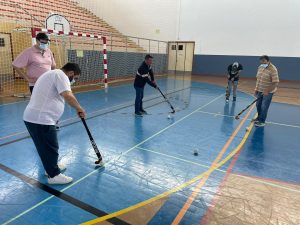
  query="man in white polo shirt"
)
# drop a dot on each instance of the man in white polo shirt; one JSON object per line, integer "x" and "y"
{"x": 46, "y": 106}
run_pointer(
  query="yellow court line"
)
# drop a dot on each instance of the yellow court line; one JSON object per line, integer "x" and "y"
{"x": 198, "y": 187}
{"x": 223, "y": 171}
{"x": 177, "y": 188}
{"x": 115, "y": 159}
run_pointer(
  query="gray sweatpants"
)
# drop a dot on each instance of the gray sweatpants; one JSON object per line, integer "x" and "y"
{"x": 45, "y": 141}
{"x": 229, "y": 87}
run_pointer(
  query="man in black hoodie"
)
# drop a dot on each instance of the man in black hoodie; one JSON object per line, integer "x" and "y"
{"x": 143, "y": 75}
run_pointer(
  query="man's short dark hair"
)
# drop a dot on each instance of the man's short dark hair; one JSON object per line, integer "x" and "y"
{"x": 264, "y": 57}
{"x": 42, "y": 36}
{"x": 72, "y": 67}
{"x": 148, "y": 57}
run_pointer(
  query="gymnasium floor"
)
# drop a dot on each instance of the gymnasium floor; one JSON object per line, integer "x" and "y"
{"x": 151, "y": 174}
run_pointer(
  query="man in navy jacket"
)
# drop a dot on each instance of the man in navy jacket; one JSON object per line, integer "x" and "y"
{"x": 143, "y": 75}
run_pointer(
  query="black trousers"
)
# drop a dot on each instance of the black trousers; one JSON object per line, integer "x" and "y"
{"x": 31, "y": 89}
{"x": 46, "y": 143}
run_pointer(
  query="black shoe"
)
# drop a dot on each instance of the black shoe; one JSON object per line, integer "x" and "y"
{"x": 143, "y": 112}
{"x": 138, "y": 114}
{"x": 57, "y": 128}
{"x": 234, "y": 99}
{"x": 227, "y": 99}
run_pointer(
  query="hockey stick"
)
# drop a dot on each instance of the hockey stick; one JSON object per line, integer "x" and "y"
{"x": 237, "y": 117}
{"x": 99, "y": 161}
{"x": 173, "y": 110}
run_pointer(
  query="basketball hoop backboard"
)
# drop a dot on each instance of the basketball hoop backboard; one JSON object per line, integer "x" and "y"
{"x": 58, "y": 22}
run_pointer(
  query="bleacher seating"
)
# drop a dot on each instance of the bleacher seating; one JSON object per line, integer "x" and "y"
{"x": 81, "y": 19}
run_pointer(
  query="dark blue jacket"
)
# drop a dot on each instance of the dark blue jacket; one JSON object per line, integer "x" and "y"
{"x": 144, "y": 75}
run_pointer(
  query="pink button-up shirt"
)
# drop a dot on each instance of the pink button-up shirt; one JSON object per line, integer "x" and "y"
{"x": 35, "y": 62}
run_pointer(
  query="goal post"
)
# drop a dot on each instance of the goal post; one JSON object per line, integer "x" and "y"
{"x": 88, "y": 50}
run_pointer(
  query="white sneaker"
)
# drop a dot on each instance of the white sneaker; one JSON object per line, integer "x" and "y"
{"x": 60, "y": 179}
{"x": 61, "y": 166}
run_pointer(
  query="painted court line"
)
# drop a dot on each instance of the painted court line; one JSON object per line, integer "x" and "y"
{"x": 270, "y": 182}
{"x": 217, "y": 194}
{"x": 84, "y": 206}
{"x": 114, "y": 159}
{"x": 174, "y": 157}
{"x": 175, "y": 189}
{"x": 91, "y": 115}
{"x": 274, "y": 123}
{"x": 258, "y": 179}
{"x": 202, "y": 182}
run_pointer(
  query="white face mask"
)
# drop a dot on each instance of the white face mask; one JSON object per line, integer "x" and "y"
{"x": 264, "y": 65}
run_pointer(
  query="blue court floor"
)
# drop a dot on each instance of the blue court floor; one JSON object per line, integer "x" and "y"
{"x": 144, "y": 157}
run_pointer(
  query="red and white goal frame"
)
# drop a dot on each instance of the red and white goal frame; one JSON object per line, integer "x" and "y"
{"x": 34, "y": 32}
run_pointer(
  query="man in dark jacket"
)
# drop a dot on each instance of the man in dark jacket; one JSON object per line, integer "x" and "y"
{"x": 233, "y": 79}
{"x": 143, "y": 75}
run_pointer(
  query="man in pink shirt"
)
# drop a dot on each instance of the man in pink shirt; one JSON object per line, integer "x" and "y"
{"x": 37, "y": 60}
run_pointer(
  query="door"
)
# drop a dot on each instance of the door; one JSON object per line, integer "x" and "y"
{"x": 5, "y": 56}
{"x": 181, "y": 56}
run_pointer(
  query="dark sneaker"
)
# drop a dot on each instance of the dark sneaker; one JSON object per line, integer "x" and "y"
{"x": 139, "y": 114}
{"x": 227, "y": 99}
{"x": 234, "y": 99}
{"x": 259, "y": 124}
{"x": 144, "y": 112}
{"x": 57, "y": 128}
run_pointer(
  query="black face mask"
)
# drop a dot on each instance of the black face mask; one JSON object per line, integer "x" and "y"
{"x": 234, "y": 69}
{"x": 71, "y": 78}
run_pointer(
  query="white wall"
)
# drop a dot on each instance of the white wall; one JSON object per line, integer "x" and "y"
{"x": 139, "y": 18}
{"x": 242, "y": 27}
{"x": 219, "y": 27}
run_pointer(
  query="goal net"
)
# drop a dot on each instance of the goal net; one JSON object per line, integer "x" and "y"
{"x": 101, "y": 59}
{"x": 87, "y": 50}
{"x": 119, "y": 62}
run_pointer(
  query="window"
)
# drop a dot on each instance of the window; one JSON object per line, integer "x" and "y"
{"x": 2, "y": 43}
{"x": 180, "y": 47}
{"x": 173, "y": 47}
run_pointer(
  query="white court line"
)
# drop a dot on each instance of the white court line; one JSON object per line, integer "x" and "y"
{"x": 177, "y": 158}
{"x": 224, "y": 171}
{"x": 112, "y": 160}
{"x": 274, "y": 123}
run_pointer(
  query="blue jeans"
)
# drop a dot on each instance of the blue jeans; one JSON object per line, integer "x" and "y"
{"x": 139, "y": 99}
{"x": 262, "y": 106}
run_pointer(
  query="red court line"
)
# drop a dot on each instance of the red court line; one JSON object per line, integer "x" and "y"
{"x": 198, "y": 187}
{"x": 205, "y": 218}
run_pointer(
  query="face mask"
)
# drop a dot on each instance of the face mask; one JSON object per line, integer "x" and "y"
{"x": 43, "y": 46}
{"x": 265, "y": 65}
{"x": 72, "y": 80}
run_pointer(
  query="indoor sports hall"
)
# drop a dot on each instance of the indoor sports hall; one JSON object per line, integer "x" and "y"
{"x": 149, "y": 112}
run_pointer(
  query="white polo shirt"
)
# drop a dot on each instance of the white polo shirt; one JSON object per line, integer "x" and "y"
{"x": 46, "y": 105}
